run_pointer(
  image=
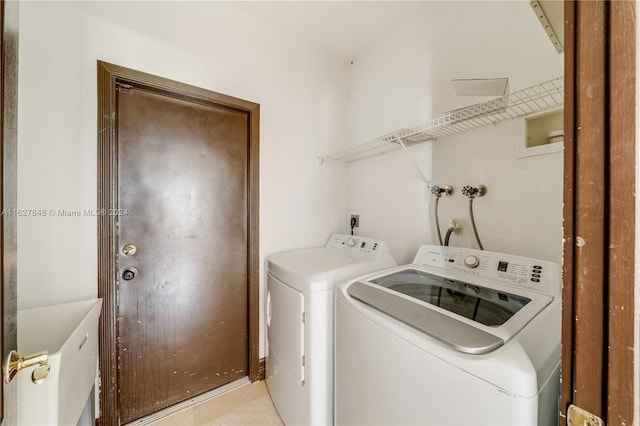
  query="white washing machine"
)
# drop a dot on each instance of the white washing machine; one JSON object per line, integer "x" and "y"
{"x": 460, "y": 337}
{"x": 300, "y": 316}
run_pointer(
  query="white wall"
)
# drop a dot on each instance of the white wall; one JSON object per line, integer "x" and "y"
{"x": 214, "y": 45}
{"x": 403, "y": 81}
{"x": 522, "y": 210}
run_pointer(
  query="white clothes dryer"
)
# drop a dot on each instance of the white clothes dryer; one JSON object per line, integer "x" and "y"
{"x": 460, "y": 337}
{"x": 300, "y": 322}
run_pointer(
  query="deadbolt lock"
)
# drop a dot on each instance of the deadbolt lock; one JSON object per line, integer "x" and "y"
{"x": 129, "y": 274}
{"x": 129, "y": 250}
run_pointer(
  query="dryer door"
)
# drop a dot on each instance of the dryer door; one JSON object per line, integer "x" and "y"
{"x": 285, "y": 326}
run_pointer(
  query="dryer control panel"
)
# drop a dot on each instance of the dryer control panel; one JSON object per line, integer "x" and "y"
{"x": 369, "y": 247}
{"x": 533, "y": 274}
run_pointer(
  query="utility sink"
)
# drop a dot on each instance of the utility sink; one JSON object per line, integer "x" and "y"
{"x": 69, "y": 332}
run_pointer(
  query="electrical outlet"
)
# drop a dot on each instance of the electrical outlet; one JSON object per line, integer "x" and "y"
{"x": 357, "y": 218}
{"x": 456, "y": 223}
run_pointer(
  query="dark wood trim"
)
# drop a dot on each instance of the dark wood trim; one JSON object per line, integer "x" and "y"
{"x": 254, "y": 244}
{"x": 566, "y": 385}
{"x": 2, "y": 281}
{"x": 599, "y": 206}
{"x": 622, "y": 230}
{"x": 108, "y": 75}
{"x": 107, "y": 199}
{"x": 590, "y": 227}
{"x": 9, "y": 178}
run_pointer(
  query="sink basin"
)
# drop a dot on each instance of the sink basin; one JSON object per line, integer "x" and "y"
{"x": 69, "y": 332}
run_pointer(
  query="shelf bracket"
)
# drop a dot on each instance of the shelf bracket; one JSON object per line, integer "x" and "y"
{"x": 424, "y": 177}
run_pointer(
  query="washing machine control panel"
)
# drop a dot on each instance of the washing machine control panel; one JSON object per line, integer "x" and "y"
{"x": 369, "y": 247}
{"x": 518, "y": 271}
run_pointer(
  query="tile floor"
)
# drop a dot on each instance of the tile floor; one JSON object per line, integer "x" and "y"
{"x": 247, "y": 405}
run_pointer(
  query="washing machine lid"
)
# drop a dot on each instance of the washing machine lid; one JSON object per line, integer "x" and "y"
{"x": 469, "y": 317}
{"x": 321, "y": 268}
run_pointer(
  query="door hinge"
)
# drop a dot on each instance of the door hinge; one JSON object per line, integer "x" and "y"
{"x": 122, "y": 87}
{"x": 303, "y": 360}
{"x": 576, "y": 416}
{"x": 303, "y": 317}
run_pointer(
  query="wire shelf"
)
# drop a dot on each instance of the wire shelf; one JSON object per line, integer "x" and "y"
{"x": 541, "y": 97}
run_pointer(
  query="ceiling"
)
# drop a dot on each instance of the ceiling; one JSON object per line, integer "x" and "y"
{"x": 341, "y": 28}
{"x": 345, "y": 29}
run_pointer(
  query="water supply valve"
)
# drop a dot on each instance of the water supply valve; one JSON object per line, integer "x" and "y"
{"x": 474, "y": 191}
{"x": 438, "y": 191}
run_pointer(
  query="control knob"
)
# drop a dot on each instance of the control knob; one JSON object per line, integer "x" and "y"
{"x": 351, "y": 242}
{"x": 471, "y": 261}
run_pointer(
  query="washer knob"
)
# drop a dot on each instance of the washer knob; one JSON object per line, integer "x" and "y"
{"x": 351, "y": 242}
{"x": 471, "y": 261}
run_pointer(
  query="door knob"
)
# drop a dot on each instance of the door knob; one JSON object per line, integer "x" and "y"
{"x": 129, "y": 274}
{"x": 15, "y": 363}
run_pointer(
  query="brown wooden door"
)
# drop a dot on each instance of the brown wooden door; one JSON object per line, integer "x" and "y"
{"x": 599, "y": 221}
{"x": 182, "y": 188}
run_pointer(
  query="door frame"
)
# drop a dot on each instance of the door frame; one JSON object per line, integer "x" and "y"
{"x": 8, "y": 198}
{"x": 598, "y": 341}
{"x": 108, "y": 76}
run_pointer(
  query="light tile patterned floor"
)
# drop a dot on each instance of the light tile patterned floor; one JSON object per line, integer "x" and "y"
{"x": 246, "y": 405}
